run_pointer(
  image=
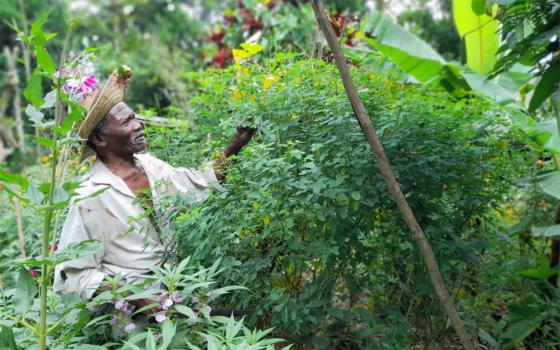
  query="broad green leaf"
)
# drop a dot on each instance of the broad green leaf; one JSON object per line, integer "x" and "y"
{"x": 546, "y": 135}
{"x": 520, "y": 329}
{"x": 478, "y": 6}
{"x": 33, "y": 92}
{"x": 50, "y": 99}
{"x": 541, "y": 272}
{"x": 44, "y": 60}
{"x": 409, "y": 52}
{"x": 550, "y": 183}
{"x": 25, "y": 291}
{"x": 33, "y": 195}
{"x": 44, "y": 141}
{"x": 548, "y": 84}
{"x": 549, "y": 231}
{"x": 7, "y": 339}
{"x": 480, "y": 35}
{"x": 35, "y": 116}
{"x": 14, "y": 179}
{"x": 488, "y": 87}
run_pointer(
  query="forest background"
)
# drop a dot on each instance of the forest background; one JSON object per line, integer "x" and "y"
{"x": 304, "y": 239}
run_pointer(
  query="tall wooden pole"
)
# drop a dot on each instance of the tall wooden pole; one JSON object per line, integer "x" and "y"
{"x": 390, "y": 180}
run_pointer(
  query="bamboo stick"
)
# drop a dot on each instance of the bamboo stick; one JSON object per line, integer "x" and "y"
{"x": 390, "y": 180}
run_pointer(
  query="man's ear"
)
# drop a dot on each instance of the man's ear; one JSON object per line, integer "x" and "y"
{"x": 98, "y": 140}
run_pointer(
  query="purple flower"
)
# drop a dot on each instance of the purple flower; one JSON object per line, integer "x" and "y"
{"x": 160, "y": 317}
{"x": 129, "y": 327}
{"x": 195, "y": 300}
{"x": 160, "y": 298}
{"x": 176, "y": 297}
{"x": 114, "y": 320}
{"x": 166, "y": 304}
{"x": 120, "y": 305}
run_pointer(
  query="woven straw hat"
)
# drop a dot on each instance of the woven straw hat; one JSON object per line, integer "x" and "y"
{"x": 99, "y": 103}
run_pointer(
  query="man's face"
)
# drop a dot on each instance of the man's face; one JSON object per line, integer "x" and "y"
{"x": 123, "y": 134}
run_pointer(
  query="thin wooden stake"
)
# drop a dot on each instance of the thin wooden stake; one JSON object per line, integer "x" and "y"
{"x": 390, "y": 180}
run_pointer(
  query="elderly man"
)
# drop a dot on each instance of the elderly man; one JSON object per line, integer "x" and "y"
{"x": 128, "y": 229}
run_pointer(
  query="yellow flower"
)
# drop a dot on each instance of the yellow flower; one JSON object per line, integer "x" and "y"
{"x": 45, "y": 159}
{"x": 266, "y": 219}
{"x": 268, "y": 80}
{"x": 255, "y": 205}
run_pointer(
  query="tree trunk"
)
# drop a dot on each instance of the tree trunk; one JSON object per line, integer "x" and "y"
{"x": 390, "y": 180}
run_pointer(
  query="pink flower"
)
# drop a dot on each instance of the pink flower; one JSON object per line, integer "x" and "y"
{"x": 34, "y": 273}
{"x": 130, "y": 327}
{"x": 160, "y": 317}
{"x": 91, "y": 81}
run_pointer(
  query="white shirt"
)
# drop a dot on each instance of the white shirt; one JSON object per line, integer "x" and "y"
{"x": 131, "y": 245}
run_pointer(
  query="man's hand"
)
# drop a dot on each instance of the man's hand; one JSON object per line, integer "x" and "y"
{"x": 240, "y": 140}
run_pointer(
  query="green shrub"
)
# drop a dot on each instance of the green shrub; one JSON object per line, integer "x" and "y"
{"x": 305, "y": 220}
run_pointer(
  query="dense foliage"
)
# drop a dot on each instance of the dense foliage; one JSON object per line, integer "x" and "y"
{"x": 303, "y": 238}
{"x": 305, "y": 221}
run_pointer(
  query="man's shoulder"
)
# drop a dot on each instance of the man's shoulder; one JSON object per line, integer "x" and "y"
{"x": 155, "y": 164}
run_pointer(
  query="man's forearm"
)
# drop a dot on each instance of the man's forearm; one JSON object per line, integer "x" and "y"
{"x": 240, "y": 140}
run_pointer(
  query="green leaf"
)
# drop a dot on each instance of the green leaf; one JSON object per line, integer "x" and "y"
{"x": 44, "y": 60}
{"x": 168, "y": 332}
{"x": 550, "y": 183}
{"x": 14, "y": 179}
{"x": 90, "y": 347}
{"x": 356, "y": 196}
{"x": 408, "y": 51}
{"x": 548, "y": 84}
{"x": 25, "y": 291}
{"x": 33, "y": 195}
{"x": 478, "y": 6}
{"x": 549, "y": 231}
{"x": 187, "y": 311}
{"x": 35, "y": 115}
{"x": 7, "y": 339}
{"x": 519, "y": 330}
{"x": 490, "y": 88}
{"x": 33, "y": 92}
{"x": 36, "y": 26}
{"x": 480, "y": 35}
{"x": 546, "y": 135}
{"x": 542, "y": 272}
{"x": 44, "y": 141}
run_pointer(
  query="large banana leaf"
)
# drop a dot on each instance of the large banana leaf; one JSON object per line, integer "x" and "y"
{"x": 410, "y": 53}
{"x": 480, "y": 36}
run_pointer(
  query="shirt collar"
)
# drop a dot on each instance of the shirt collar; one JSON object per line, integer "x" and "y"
{"x": 101, "y": 175}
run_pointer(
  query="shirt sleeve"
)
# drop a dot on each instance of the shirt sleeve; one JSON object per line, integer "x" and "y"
{"x": 192, "y": 184}
{"x": 81, "y": 275}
